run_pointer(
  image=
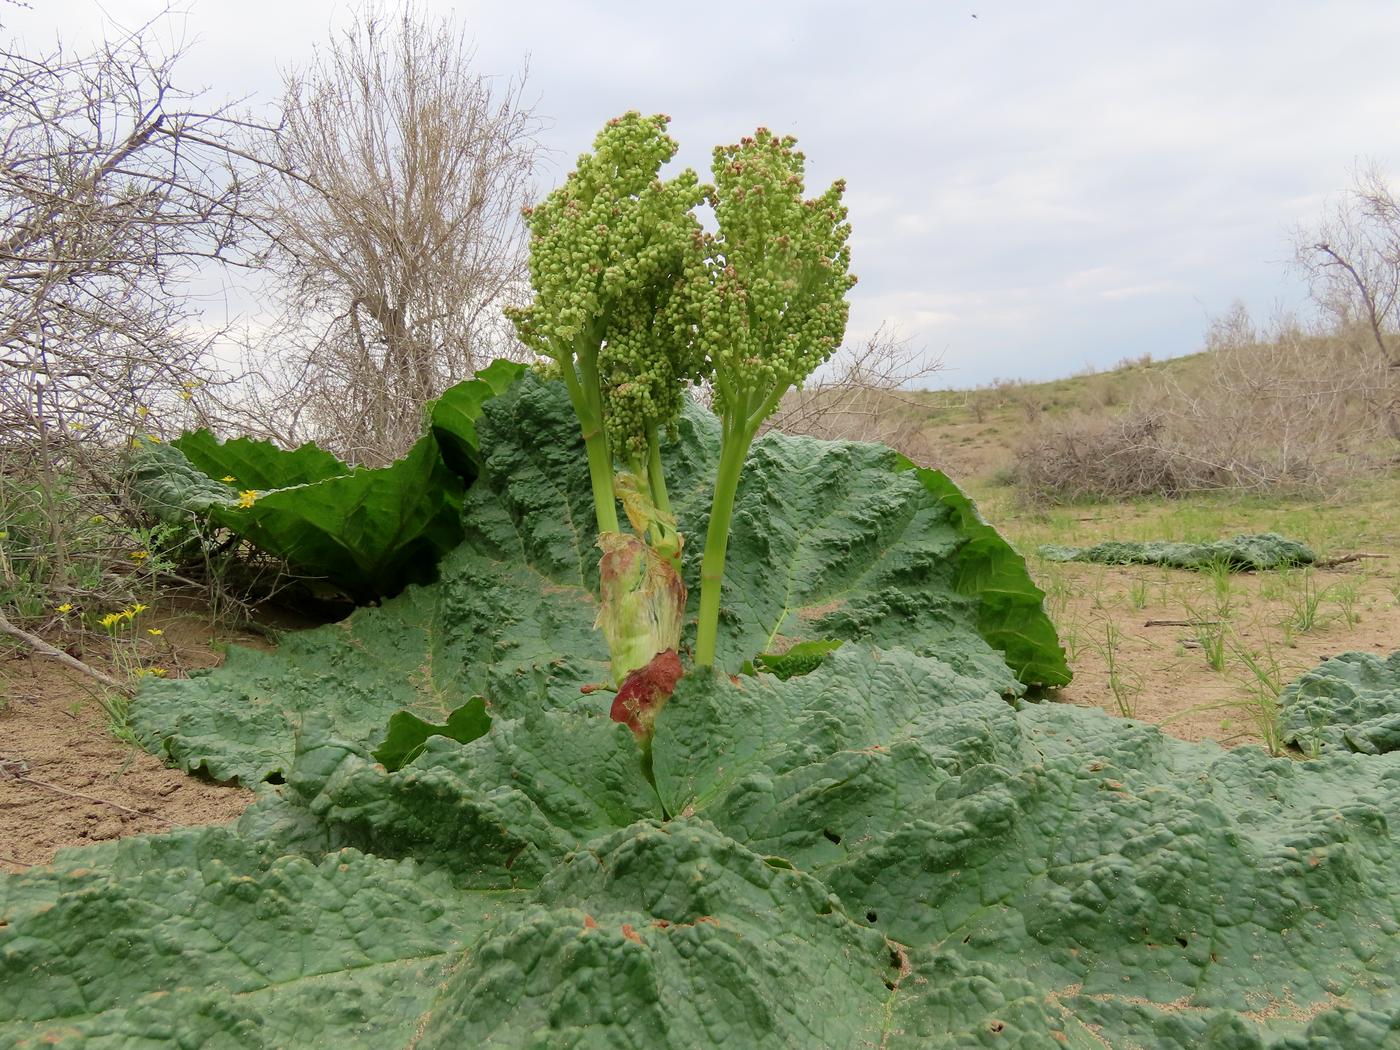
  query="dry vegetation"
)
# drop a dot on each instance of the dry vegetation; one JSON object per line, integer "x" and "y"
{"x": 392, "y": 212}
{"x": 1293, "y": 411}
{"x": 862, "y": 395}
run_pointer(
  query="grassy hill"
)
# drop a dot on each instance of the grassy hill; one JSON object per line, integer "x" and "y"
{"x": 972, "y": 434}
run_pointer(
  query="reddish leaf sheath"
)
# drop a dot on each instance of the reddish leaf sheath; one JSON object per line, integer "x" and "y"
{"x": 645, "y": 690}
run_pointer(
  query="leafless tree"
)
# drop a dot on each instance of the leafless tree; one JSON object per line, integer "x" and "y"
{"x": 860, "y": 395}
{"x": 396, "y": 229}
{"x": 1352, "y": 259}
{"x": 115, "y": 189}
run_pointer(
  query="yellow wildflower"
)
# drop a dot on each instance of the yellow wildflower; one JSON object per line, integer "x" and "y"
{"x": 159, "y": 672}
{"x": 77, "y": 426}
{"x": 153, "y": 439}
{"x": 64, "y": 609}
{"x": 248, "y": 497}
{"x": 135, "y": 442}
{"x": 111, "y": 620}
{"x": 228, "y": 479}
{"x": 185, "y": 395}
{"x": 97, "y": 519}
{"x": 137, "y": 608}
{"x": 139, "y": 555}
{"x": 142, "y": 411}
{"x": 154, "y": 632}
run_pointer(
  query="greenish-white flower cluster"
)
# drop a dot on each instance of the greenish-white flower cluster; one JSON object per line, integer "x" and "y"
{"x": 608, "y": 250}
{"x": 634, "y": 301}
{"x": 772, "y": 311}
{"x": 774, "y": 308}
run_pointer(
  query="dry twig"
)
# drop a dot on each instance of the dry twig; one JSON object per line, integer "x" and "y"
{"x": 89, "y": 798}
{"x": 43, "y": 648}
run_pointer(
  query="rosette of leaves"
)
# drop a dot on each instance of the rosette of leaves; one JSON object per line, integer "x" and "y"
{"x": 830, "y": 541}
{"x": 882, "y": 852}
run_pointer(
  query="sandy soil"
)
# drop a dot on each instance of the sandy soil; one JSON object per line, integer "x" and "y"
{"x": 1163, "y": 673}
{"x": 66, "y": 781}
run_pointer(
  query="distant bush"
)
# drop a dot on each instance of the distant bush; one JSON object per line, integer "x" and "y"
{"x": 1293, "y": 412}
{"x": 1096, "y": 457}
{"x": 863, "y": 395}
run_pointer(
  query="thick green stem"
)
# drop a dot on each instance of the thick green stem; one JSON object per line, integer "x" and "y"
{"x": 656, "y": 476}
{"x": 588, "y": 406}
{"x": 765, "y": 410}
{"x": 667, "y": 541}
{"x": 600, "y": 473}
{"x": 734, "y": 449}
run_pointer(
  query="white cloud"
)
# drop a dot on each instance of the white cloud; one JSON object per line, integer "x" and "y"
{"x": 1037, "y": 188}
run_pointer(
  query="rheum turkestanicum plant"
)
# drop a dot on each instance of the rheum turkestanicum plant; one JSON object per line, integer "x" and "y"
{"x": 609, "y": 251}
{"x": 634, "y": 301}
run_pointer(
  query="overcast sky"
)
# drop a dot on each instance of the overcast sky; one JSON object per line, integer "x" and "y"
{"x": 1034, "y": 187}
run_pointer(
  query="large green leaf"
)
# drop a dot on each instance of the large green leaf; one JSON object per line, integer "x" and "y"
{"x": 670, "y": 935}
{"x": 369, "y": 532}
{"x": 499, "y": 811}
{"x": 1009, "y": 606}
{"x": 454, "y": 416}
{"x": 1348, "y": 703}
{"x": 831, "y": 540}
{"x": 1250, "y": 553}
{"x": 203, "y": 938}
{"x": 250, "y": 463}
{"x": 883, "y": 852}
{"x": 1113, "y": 867}
{"x": 165, "y": 483}
{"x": 366, "y": 531}
{"x": 488, "y": 627}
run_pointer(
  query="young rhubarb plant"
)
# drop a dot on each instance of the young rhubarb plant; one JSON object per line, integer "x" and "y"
{"x": 771, "y": 308}
{"x": 609, "y": 250}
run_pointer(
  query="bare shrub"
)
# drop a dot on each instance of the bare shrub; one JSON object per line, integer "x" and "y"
{"x": 860, "y": 396}
{"x": 1284, "y": 413}
{"x": 1097, "y": 457}
{"x": 117, "y": 191}
{"x": 396, "y": 233}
